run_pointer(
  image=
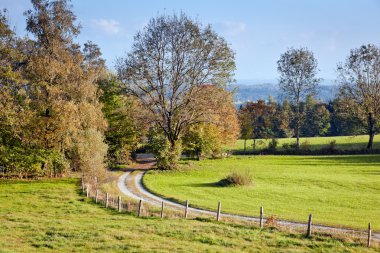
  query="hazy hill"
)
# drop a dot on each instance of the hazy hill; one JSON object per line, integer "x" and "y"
{"x": 246, "y": 91}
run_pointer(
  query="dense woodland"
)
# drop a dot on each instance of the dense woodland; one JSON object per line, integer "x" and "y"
{"x": 62, "y": 110}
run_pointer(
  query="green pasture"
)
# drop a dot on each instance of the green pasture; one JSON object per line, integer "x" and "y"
{"x": 342, "y": 191}
{"x": 52, "y": 216}
{"x": 313, "y": 143}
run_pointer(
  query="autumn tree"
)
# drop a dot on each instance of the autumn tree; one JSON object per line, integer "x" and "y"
{"x": 169, "y": 60}
{"x": 259, "y": 118}
{"x": 64, "y": 95}
{"x": 209, "y": 138}
{"x": 298, "y": 70}
{"x": 359, "y": 77}
{"x": 15, "y": 154}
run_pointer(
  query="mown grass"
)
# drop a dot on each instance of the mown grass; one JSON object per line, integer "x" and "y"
{"x": 337, "y": 190}
{"x": 313, "y": 143}
{"x": 52, "y": 216}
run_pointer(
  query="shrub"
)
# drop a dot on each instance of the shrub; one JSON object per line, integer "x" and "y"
{"x": 305, "y": 145}
{"x": 332, "y": 145}
{"x": 272, "y": 145}
{"x": 271, "y": 221}
{"x": 286, "y": 146}
{"x": 293, "y": 145}
{"x": 237, "y": 178}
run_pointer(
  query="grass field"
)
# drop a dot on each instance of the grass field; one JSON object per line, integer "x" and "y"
{"x": 51, "y": 216}
{"x": 337, "y": 190}
{"x": 314, "y": 143}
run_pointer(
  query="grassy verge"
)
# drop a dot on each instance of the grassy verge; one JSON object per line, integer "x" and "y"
{"x": 337, "y": 190}
{"x": 51, "y": 216}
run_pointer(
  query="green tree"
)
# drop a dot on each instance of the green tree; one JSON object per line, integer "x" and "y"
{"x": 298, "y": 70}
{"x": 359, "y": 77}
{"x": 170, "y": 59}
{"x": 126, "y": 127}
{"x": 317, "y": 118}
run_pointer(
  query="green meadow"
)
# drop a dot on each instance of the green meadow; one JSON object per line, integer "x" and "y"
{"x": 52, "y": 216}
{"x": 341, "y": 191}
{"x": 313, "y": 143}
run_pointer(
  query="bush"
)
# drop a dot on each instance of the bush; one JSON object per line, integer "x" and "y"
{"x": 271, "y": 221}
{"x": 293, "y": 145}
{"x": 305, "y": 145}
{"x": 286, "y": 146}
{"x": 332, "y": 145}
{"x": 272, "y": 145}
{"x": 237, "y": 178}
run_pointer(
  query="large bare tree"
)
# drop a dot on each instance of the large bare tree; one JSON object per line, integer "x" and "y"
{"x": 298, "y": 69}
{"x": 359, "y": 77}
{"x": 170, "y": 58}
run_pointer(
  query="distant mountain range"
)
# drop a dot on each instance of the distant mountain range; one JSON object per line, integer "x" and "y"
{"x": 247, "y": 90}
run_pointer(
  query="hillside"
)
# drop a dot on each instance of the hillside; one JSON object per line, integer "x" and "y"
{"x": 253, "y": 92}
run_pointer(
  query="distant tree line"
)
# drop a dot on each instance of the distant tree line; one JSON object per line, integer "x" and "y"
{"x": 354, "y": 111}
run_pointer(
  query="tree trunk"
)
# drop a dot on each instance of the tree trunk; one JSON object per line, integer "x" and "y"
{"x": 254, "y": 144}
{"x": 298, "y": 127}
{"x": 245, "y": 145}
{"x": 371, "y": 130}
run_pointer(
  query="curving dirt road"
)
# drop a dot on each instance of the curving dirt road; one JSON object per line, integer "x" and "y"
{"x": 130, "y": 183}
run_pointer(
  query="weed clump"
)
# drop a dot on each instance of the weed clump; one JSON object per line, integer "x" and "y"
{"x": 237, "y": 178}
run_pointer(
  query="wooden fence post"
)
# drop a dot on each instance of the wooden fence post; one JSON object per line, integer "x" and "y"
{"x": 218, "y": 212}
{"x": 369, "y": 235}
{"x": 96, "y": 196}
{"x": 186, "y": 208}
{"x": 140, "y": 208}
{"x": 119, "y": 203}
{"x": 162, "y": 210}
{"x": 106, "y": 199}
{"x": 308, "y": 234}
{"x": 261, "y": 217}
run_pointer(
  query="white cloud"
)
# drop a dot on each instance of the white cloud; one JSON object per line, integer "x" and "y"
{"x": 110, "y": 26}
{"x": 231, "y": 28}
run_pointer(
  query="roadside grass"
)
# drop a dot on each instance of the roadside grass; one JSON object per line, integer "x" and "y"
{"x": 52, "y": 216}
{"x": 341, "y": 191}
{"x": 314, "y": 143}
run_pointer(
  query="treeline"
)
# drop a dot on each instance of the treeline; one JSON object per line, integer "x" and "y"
{"x": 355, "y": 110}
{"x": 268, "y": 120}
{"x": 61, "y": 110}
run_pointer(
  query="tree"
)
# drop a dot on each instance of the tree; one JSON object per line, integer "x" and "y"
{"x": 298, "y": 70}
{"x": 125, "y": 124}
{"x": 359, "y": 77}
{"x": 343, "y": 121}
{"x": 170, "y": 58}
{"x": 317, "y": 118}
{"x": 208, "y": 138}
{"x": 62, "y": 87}
{"x": 246, "y": 125}
{"x": 259, "y": 119}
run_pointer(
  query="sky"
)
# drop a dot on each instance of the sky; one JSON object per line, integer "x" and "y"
{"x": 258, "y": 31}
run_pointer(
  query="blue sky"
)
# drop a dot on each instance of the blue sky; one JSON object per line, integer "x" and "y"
{"x": 258, "y": 31}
